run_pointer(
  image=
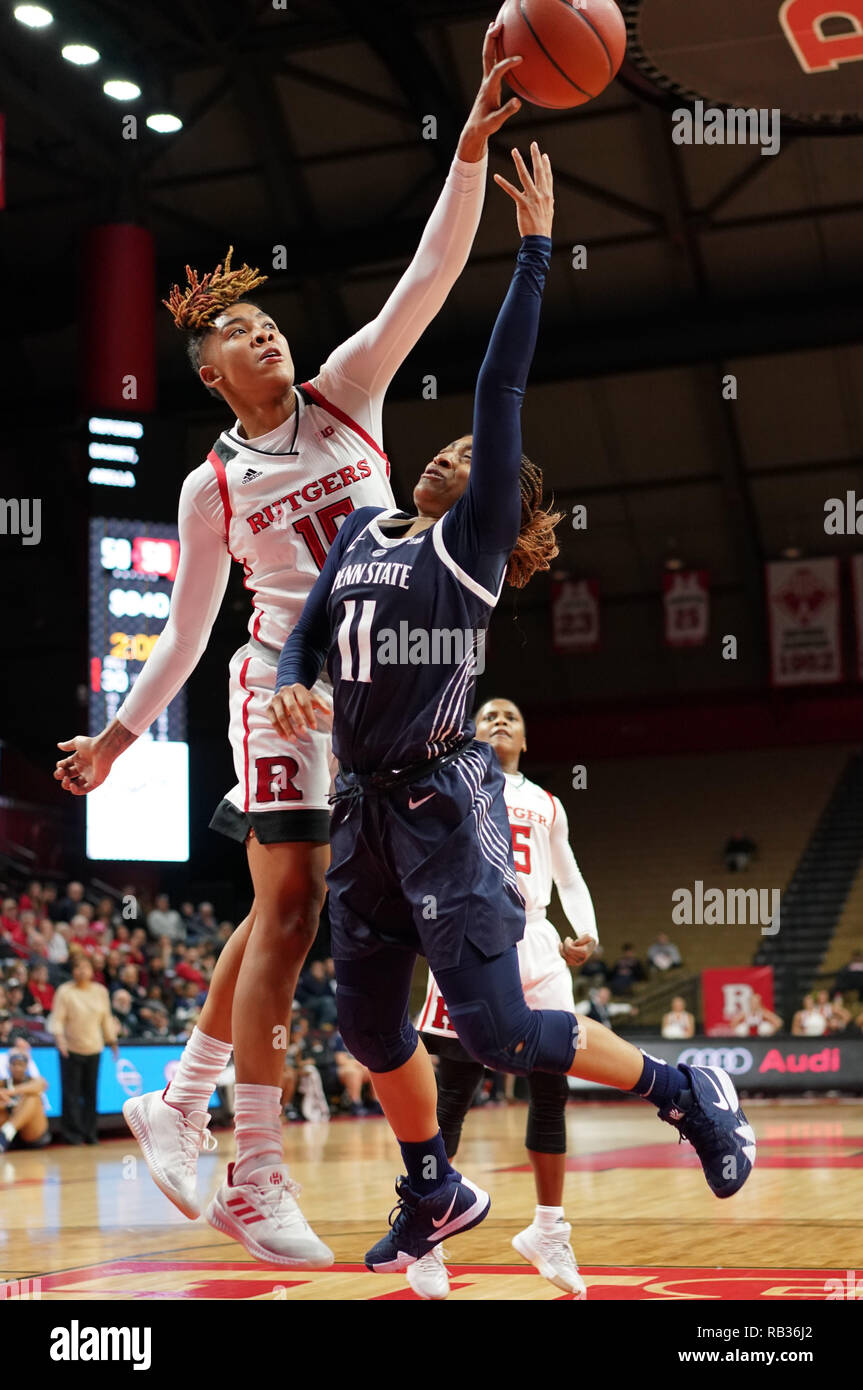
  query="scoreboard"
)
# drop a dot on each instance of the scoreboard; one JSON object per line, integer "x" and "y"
{"x": 142, "y": 810}
{"x": 132, "y": 569}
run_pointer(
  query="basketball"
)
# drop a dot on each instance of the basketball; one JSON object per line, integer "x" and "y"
{"x": 571, "y": 48}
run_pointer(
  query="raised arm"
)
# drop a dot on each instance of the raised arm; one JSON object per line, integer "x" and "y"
{"x": 486, "y": 519}
{"x": 364, "y": 365}
{"x": 202, "y": 577}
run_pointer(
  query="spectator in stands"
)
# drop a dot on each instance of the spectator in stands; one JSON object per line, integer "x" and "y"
{"x": 73, "y": 902}
{"x": 55, "y": 945}
{"x": 124, "y": 1014}
{"x": 22, "y": 1106}
{"x": 598, "y": 1006}
{"x": 187, "y": 965}
{"x": 207, "y": 925}
{"x": 663, "y": 954}
{"x": 851, "y": 975}
{"x": 155, "y": 1023}
{"x": 678, "y": 1022}
{"x": 130, "y": 979}
{"x": 50, "y": 906}
{"x": 754, "y": 1020}
{"x": 626, "y": 971}
{"x": 836, "y": 1016}
{"x": 81, "y": 934}
{"x": 15, "y": 997}
{"x": 186, "y": 1007}
{"x": 10, "y": 926}
{"x": 315, "y": 995}
{"x": 225, "y": 932}
{"x": 738, "y": 852}
{"x": 809, "y": 1022}
{"x": 31, "y": 898}
{"x": 353, "y": 1077}
{"x": 297, "y": 1058}
{"x": 165, "y": 922}
{"x": 107, "y": 914}
{"x": 82, "y": 1024}
{"x": 41, "y": 991}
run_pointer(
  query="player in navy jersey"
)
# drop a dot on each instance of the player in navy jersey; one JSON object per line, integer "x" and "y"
{"x": 299, "y": 457}
{"x": 421, "y": 852}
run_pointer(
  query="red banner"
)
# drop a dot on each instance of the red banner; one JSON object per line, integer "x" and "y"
{"x": 803, "y": 607}
{"x": 686, "y": 604}
{"x": 575, "y": 615}
{"x": 741, "y": 993}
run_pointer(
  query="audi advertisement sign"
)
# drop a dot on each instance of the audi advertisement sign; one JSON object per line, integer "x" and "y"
{"x": 763, "y": 1064}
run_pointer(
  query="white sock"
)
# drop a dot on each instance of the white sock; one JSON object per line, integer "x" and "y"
{"x": 545, "y": 1218}
{"x": 9, "y": 1131}
{"x": 258, "y": 1129}
{"x": 194, "y": 1081}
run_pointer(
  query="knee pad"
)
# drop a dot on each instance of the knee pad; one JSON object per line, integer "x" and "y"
{"x": 546, "y": 1122}
{"x": 380, "y": 1044}
{"x": 523, "y": 1041}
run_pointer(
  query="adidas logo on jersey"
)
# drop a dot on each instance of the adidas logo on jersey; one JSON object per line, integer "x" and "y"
{"x": 250, "y": 475}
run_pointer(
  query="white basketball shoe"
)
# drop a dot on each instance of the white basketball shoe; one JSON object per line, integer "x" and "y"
{"x": 428, "y": 1277}
{"x": 170, "y": 1142}
{"x": 551, "y": 1253}
{"x": 263, "y": 1215}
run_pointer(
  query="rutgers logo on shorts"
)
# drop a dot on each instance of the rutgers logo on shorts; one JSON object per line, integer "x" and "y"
{"x": 734, "y": 1060}
{"x": 274, "y": 780}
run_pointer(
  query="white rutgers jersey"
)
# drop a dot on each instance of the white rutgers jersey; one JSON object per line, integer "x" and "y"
{"x": 543, "y": 858}
{"x": 283, "y": 510}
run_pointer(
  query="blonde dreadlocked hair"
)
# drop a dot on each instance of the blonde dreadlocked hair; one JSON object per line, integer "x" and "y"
{"x": 194, "y": 308}
{"x": 536, "y": 546}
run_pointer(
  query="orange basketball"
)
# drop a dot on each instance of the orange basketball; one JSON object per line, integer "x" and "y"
{"x": 571, "y": 48}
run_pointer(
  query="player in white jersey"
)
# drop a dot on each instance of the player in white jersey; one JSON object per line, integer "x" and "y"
{"x": 543, "y": 857}
{"x": 272, "y": 494}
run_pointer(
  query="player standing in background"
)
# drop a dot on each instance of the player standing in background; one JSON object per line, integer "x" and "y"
{"x": 540, "y": 843}
{"x": 272, "y": 494}
{"x": 421, "y": 849}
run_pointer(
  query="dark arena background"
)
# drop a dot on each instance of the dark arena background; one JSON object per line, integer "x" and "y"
{"x": 690, "y": 669}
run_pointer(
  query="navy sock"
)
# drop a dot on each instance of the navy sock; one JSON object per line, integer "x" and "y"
{"x": 426, "y": 1163}
{"x": 659, "y": 1082}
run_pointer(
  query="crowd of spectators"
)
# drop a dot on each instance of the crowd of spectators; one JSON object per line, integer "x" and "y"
{"x": 155, "y": 961}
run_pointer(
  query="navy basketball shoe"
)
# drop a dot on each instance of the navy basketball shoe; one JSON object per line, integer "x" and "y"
{"x": 418, "y": 1223}
{"x": 709, "y": 1116}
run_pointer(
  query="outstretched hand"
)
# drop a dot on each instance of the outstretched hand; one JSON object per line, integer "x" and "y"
{"x": 535, "y": 199}
{"x": 487, "y": 114}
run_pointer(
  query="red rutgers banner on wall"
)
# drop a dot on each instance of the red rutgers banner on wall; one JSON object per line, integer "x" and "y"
{"x": 803, "y": 610}
{"x": 726, "y": 994}
{"x": 686, "y": 604}
{"x": 575, "y": 615}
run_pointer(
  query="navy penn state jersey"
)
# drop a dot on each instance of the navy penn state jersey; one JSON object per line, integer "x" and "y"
{"x": 408, "y": 628}
{"x": 400, "y": 620}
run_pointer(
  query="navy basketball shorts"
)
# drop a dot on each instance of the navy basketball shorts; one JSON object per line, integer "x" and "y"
{"x": 426, "y": 865}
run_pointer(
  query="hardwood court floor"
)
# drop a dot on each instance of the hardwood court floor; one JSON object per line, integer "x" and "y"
{"x": 90, "y": 1224}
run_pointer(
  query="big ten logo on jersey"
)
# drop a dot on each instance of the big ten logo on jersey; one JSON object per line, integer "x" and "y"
{"x": 325, "y": 433}
{"x": 520, "y": 847}
{"x": 274, "y": 780}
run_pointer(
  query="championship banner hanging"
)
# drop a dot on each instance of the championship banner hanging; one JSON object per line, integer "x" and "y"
{"x": 803, "y": 609}
{"x": 686, "y": 604}
{"x": 575, "y": 615}
{"x": 857, "y": 587}
{"x": 730, "y": 993}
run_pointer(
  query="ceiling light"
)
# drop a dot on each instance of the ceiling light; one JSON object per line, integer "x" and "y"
{"x": 80, "y": 53}
{"x": 164, "y": 123}
{"x": 121, "y": 91}
{"x": 34, "y": 16}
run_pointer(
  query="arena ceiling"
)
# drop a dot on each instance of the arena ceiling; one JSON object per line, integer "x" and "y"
{"x": 302, "y": 127}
